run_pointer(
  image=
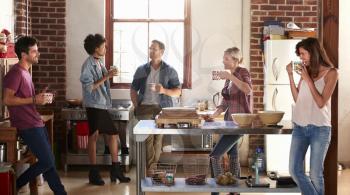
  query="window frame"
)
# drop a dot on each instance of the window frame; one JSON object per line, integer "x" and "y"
{"x": 187, "y": 61}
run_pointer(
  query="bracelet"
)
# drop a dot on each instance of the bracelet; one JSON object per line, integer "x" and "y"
{"x": 34, "y": 99}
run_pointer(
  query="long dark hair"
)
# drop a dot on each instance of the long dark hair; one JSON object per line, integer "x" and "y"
{"x": 318, "y": 55}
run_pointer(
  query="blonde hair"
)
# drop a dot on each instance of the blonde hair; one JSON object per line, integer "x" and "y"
{"x": 235, "y": 53}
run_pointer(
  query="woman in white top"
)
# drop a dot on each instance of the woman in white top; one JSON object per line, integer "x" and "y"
{"x": 311, "y": 115}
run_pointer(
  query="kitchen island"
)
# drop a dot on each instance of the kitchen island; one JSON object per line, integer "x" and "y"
{"x": 144, "y": 128}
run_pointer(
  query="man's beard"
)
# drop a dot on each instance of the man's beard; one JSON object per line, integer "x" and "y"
{"x": 34, "y": 61}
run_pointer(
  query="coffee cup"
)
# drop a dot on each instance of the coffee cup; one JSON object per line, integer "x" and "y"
{"x": 152, "y": 86}
{"x": 115, "y": 70}
{"x": 297, "y": 66}
{"x": 48, "y": 97}
{"x": 215, "y": 75}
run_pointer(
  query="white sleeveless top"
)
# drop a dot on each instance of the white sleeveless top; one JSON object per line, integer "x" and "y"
{"x": 306, "y": 110}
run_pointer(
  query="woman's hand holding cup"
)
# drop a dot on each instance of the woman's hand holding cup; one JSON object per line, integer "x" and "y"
{"x": 220, "y": 74}
{"x": 113, "y": 71}
{"x": 215, "y": 75}
{"x": 298, "y": 66}
{"x": 289, "y": 68}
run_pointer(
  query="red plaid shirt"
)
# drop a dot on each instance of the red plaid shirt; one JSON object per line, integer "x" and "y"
{"x": 234, "y": 100}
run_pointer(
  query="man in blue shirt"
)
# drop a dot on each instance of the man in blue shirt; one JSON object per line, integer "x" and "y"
{"x": 153, "y": 86}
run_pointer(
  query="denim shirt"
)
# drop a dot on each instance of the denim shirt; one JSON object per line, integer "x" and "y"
{"x": 167, "y": 77}
{"x": 90, "y": 74}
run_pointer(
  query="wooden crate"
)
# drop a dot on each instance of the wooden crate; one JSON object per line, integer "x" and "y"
{"x": 301, "y": 34}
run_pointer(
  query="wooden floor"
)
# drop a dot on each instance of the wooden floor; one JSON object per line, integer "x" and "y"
{"x": 76, "y": 183}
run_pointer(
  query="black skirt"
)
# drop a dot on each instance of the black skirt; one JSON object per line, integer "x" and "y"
{"x": 99, "y": 119}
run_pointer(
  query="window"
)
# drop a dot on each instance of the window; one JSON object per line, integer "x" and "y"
{"x": 130, "y": 30}
{"x": 7, "y": 16}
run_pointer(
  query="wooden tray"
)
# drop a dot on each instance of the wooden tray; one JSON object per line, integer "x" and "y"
{"x": 180, "y": 122}
{"x": 178, "y": 112}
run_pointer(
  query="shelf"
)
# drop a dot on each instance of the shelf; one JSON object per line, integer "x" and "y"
{"x": 211, "y": 186}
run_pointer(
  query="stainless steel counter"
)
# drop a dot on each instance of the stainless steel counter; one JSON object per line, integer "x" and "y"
{"x": 211, "y": 186}
{"x": 148, "y": 127}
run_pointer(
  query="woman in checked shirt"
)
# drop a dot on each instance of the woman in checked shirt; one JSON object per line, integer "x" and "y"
{"x": 236, "y": 99}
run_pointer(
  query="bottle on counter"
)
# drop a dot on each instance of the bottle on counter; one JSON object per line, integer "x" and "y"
{"x": 260, "y": 159}
{"x": 258, "y": 164}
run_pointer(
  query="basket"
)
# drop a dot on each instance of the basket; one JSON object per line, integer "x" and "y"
{"x": 162, "y": 174}
{"x": 222, "y": 172}
{"x": 219, "y": 166}
{"x": 196, "y": 171}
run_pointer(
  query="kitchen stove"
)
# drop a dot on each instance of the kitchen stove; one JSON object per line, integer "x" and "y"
{"x": 121, "y": 113}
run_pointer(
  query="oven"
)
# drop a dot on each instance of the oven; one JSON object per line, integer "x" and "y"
{"x": 76, "y": 147}
{"x": 191, "y": 142}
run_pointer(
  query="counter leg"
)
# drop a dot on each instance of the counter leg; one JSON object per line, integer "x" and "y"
{"x": 65, "y": 167}
{"x": 139, "y": 168}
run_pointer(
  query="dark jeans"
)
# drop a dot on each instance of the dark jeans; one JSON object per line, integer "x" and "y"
{"x": 37, "y": 141}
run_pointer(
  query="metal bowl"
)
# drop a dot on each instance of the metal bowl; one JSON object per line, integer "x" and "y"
{"x": 74, "y": 102}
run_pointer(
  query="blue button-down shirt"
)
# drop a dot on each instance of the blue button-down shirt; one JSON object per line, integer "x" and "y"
{"x": 90, "y": 74}
{"x": 167, "y": 77}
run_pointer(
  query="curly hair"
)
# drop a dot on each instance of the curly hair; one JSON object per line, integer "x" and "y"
{"x": 92, "y": 42}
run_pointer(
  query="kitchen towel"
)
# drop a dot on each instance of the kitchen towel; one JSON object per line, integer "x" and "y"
{"x": 82, "y": 129}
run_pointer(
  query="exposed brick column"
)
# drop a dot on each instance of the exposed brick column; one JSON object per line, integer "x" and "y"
{"x": 21, "y": 17}
{"x": 48, "y": 26}
{"x": 302, "y": 12}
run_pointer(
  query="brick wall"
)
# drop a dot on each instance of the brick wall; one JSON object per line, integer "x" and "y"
{"x": 21, "y": 17}
{"x": 47, "y": 18}
{"x": 302, "y": 12}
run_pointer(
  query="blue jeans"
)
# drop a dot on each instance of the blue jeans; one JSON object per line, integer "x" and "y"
{"x": 37, "y": 141}
{"x": 226, "y": 144}
{"x": 318, "y": 138}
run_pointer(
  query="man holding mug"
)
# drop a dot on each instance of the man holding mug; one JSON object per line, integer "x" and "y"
{"x": 21, "y": 100}
{"x": 153, "y": 86}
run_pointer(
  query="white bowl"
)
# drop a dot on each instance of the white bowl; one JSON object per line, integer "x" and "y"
{"x": 270, "y": 117}
{"x": 243, "y": 119}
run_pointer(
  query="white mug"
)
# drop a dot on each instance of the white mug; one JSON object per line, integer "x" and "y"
{"x": 48, "y": 97}
{"x": 297, "y": 66}
{"x": 152, "y": 86}
{"x": 114, "y": 68}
